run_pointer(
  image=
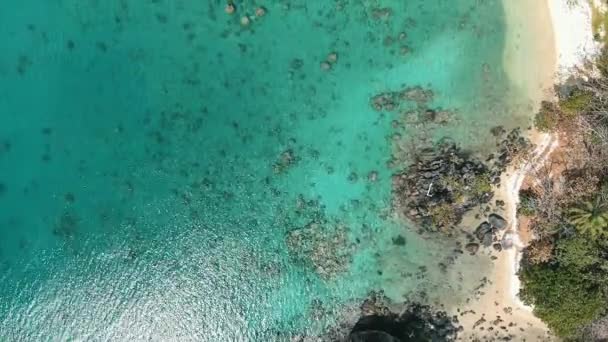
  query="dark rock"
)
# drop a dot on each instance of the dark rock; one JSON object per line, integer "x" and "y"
{"x": 472, "y": 247}
{"x": 482, "y": 230}
{"x": 296, "y": 63}
{"x": 497, "y": 221}
{"x": 488, "y": 239}
{"x": 497, "y": 247}
{"x": 399, "y": 240}
{"x": 415, "y": 323}
{"x": 422, "y": 187}
{"x": 498, "y": 131}
{"x": 372, "y": 176}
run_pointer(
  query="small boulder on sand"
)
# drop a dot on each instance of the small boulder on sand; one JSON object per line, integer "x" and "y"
{"x": 472, "y": 247}
{"x": 497, "y": 221}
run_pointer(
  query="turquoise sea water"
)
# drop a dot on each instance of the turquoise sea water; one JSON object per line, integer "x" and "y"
{"x": 155, "y": 155}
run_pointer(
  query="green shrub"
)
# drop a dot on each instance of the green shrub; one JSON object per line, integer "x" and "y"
{"x": 547, "y": 118}
{"x": 561, "y": 298}
{"x": 528, "y": 201}
{"x": 455, "y": 186}
{"x": 444, "y": 216}
{"x": 575, "y": 103}
{"x": 579, "y": 254}
{"x": 479, "y": 187}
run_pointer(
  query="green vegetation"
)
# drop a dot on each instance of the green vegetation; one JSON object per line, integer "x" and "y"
{"x": 564, "y": 272}
{"x": 547, "y": 118}
{"x": 455, "y": 186}
{"x": 575, "y": 103}
{"x": 527, "y": 202}
{"x": 570, "y": 292}
{"x": 443, "y": 215}
{"x": 550, "y": 116}
{"x": 480, "y": 187}
{"x": 599, "y": 23}
{"x": 590, "y": 218}
{"x": 561, "y": 298}
{"x": 580, "y": 254}
{"x": 475, "y": 188}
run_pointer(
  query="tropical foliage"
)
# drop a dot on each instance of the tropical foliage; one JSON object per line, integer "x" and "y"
{"x": 590, "y": 218}
{"x": 561, "y": 298}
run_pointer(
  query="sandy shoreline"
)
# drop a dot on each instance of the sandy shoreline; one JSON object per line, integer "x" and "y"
{"x": 546, "y": 40}
{"x": 574, "y": 41}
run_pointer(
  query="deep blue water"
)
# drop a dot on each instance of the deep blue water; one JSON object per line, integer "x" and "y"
{"x": 155, "y": 155}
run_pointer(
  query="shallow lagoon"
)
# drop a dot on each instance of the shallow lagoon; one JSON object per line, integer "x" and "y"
{"x": 156, "y": 155}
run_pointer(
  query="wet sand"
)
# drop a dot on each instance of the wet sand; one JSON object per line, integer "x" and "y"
{"x": 530, "y": 59}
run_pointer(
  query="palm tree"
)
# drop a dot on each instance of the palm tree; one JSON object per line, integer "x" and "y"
{"x": 590, "y": 217}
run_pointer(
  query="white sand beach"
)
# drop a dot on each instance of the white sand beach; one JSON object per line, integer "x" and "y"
{"x": 546, "y": 41}
{"x": 573, "y": 34}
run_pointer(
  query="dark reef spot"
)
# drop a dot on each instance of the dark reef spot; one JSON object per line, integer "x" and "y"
{"x": 23, "y": 64}
{"x": 69, "y": 197}
{"x": 46, "y": 158}
{"x": 353, "y": 177}
{"x": 67, "y": 225}
{"x": 5, "y": 146}
{"x": 70, "y": 45}
{"x": 47, "y": 131}
{"x": 161, "y": 18}
{"x": 102, "y": 46}
{"x": 296, "y": 63}
{"x": 2, "y": 189}
{"x": 399, "y": 240}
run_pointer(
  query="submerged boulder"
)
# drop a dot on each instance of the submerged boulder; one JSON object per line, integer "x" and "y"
{"x": 472, "y": 247}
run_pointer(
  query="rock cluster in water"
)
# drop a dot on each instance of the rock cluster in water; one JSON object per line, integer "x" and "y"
{"x": 444, "y": 182}
{"x": 441, "y": 185}
{"x": 402, "y": 101}
{"x": 392, "y": 100}
{"x": 322, "y": 245}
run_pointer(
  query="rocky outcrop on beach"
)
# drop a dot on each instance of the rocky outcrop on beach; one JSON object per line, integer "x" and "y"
{"x": 487, "y": 234}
